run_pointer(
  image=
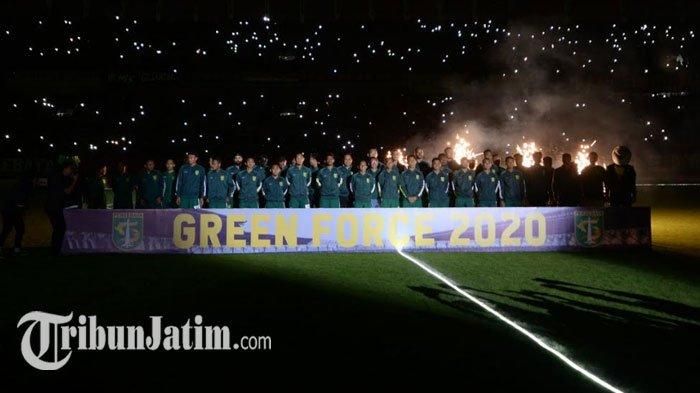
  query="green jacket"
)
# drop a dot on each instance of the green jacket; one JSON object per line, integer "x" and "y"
{"x": 463, "y": 183}
{"x": 438, "y": 185}
{"x": 329, "y": 180}
{"x": 412, "y": 183}
{"x": 512, "y": 185}
{"x": 347, "y": 174}
{"x": 150, "y": 185}
{"x": 389, "y": 183}
{"x": 191, "y": 181}
{"x": 487, "y": 186}
{"x": 275, "y": 188}
{"x": 363, "y": 186}
{"x": 219, "y": 185}
{"x": 298, "y": 180}
{"x": 248, "y": 184}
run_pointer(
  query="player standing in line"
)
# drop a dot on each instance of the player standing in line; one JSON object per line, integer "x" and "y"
{"x": 513, "y": 185}
{"x": 313, "y": 187}
{"x": 232, "y": 171}
{"x": 167, "y": 185}
{"x": 274, "y": 188}
{"x": 438, "y": 185}
{"x": 621, "y": 178}
{"x": 412, "y": 184}
{"x": 566, "y": 185}
{"x": 282, "y": 161}
{"x": 518, "y": 162}
{"x": 123, "y": 187}
{"x": 497, "y": 164}
{"x": 423, "y": 165}
{"x": 248, "y": 182}
{"x": 547, "y": 162}
{"x": 95, "y": 193}
{"x": 388, "y": 184}
{"x": 329, "y": 182}
{"x": 299, "y": 180}
{"x": 362, "y": 186}
{"x": 191, "y": 183}
{"x": 374, "y": 153}
{"x": 149, "y": 187}
{"x": 593, "y": 182}
{"x": 487, "y": 186}
{"x": 463, "y": 185}
{"x": 451, "y": 162}
{"x": 375, "y": 167}
{"x": 487, "y": 154}
{"x": 219, "y": 185}
{"x": 398, "y": 165}
{"x": 345, "y": 171}
{"x": 536, "y": 179}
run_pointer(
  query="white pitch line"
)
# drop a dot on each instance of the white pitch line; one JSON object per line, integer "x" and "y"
{"x": 513, "y": 324}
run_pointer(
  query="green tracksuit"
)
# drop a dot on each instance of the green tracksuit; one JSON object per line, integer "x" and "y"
{"x": 149, "y": 189}
{"x": 232, "y": 172}
{"x": 123, "y": 186}
{"x": 219, "y": 187}
{"x": 388, "y": 183}
{"x": 248, "y": 185}
{"x": 274, "y": 189}
{"x": 412, "y": 185}
{"x": 363, "y": 186}
{"x": 438, "y": 185}
{"x": 488, "y": 188}
{"x": 299, "y": 181}
{"x": 167, "y": 189}
{"x": 463, "y": 187}
{"x": 512, "y": 187}
{"x": 313, "y": 188}
{"x": 329, "y": 181}
{"x": 344, "y": 190}
{"x": 190, "y": 185}
{"x": 375, "y": 193}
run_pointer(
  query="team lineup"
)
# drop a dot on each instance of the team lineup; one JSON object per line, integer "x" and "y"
{"x": 444, "y": 182}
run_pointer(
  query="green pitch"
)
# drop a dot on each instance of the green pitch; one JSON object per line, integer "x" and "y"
{"x": 632, "y": 318}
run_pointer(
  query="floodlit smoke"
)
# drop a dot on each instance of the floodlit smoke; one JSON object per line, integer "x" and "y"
{"x": 536, "y": 100}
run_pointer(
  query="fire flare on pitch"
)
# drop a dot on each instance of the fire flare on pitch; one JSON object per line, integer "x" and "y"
{"x": 527, "y": 150}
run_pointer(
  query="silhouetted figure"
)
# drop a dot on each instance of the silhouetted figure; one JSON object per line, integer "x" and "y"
{"x": 61, "y": 190}
{"x": 621, "y": 179}
{"x": 95, "y": 193}
{"x": 592, "y": 182}
{"x": 538, "y": 183}
{"x": 13, "y": 211}
{"x": 549, "y": 176}
{"x": 566, "y": 185}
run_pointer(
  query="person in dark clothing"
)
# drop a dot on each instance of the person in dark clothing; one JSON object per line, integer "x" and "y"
{"x": 13, "y": 212}
{"x": 566, "y": 185}
{"x": 549, "y": 176}
{"x": 95, "y": 193}
{"x": 537, "y": 182}
{"x": 621, "y": 178}
{"x": 592, "y": 180}
{"x": 61, "y": 187}
{"x": 123, "y": 187}
{"x": 423, "y": 165}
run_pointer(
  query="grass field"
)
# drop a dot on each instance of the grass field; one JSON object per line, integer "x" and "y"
{"x": 631, "y": 318}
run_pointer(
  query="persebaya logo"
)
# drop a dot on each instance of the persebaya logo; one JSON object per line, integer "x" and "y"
{"x": 589, "y": 227}
{"x": 127, "y": 231}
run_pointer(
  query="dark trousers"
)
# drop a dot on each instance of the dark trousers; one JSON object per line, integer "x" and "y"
{"x": 12, "y": 219}
{"x": 58, "y": 224}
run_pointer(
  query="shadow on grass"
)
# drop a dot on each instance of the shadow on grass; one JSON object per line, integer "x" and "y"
{"x": 317, "y": 334}
{"x": 640, "y": 342}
